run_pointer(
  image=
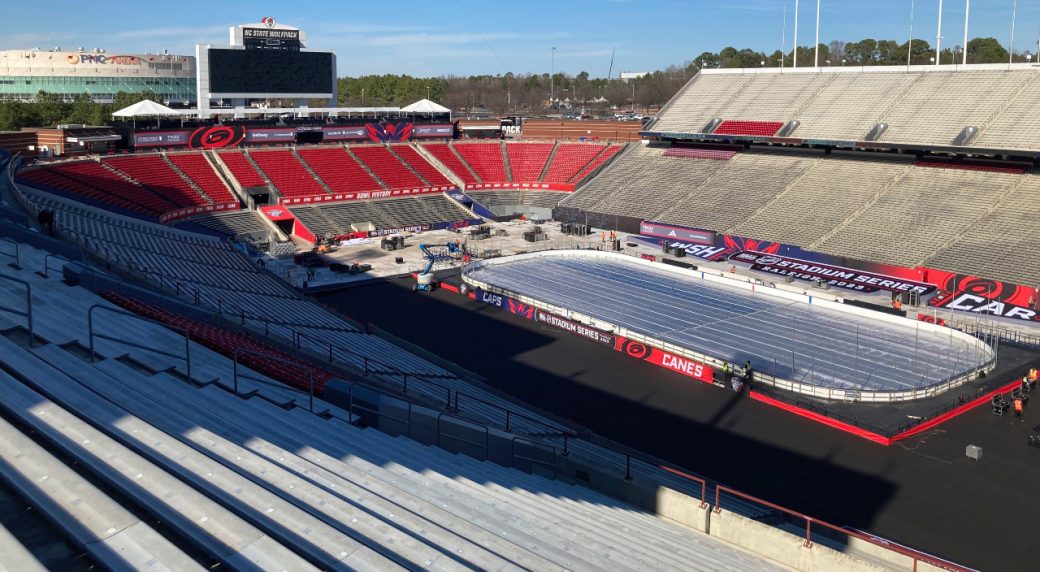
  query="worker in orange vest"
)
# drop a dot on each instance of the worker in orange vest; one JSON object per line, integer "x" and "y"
{"x": 1032, "y": 374}
{"x": 1018, "y": 408}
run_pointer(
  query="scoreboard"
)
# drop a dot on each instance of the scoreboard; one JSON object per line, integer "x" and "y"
{"x": 274, "y": 72}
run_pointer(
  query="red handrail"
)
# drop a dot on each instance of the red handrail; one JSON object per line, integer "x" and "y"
{"x": 687, "y": 476}
{"x": 913, "y": 554}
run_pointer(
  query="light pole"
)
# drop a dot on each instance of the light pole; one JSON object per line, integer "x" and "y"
{"x": 1014, "y": 14}
{"x": 910, "y": 44}
{"x": 816, "y": 48}
{"x": 794, "y": 64}
{"x": 552, "y": 72}
{"x": 362, "y": 97}
{"x": 967, "y": 10}
{"x": 938, "y": 37}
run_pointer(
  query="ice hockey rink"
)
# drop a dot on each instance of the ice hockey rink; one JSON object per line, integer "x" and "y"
{"x": 788, "y": 339}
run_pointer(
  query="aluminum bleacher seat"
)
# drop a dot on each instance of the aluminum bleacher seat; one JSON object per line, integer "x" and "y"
{"x": 421, "y": 165}
{"x": 339, "y": 170}
{"x": 446, "y": 155}
{"x": 289, "y": 176}
{"x": 485, "y": 159}
{"x": 918, "y": 215}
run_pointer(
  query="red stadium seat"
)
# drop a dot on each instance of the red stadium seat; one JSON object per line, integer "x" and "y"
{"x": 762, "y": 128}
{"x": 571, "y": 158}
{"x": 387, "y": 167}
{"x": 289, "y": 176}
{"x": 339, "y": 170}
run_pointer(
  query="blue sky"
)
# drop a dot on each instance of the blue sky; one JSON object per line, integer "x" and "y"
{"x": 463, "y": 37}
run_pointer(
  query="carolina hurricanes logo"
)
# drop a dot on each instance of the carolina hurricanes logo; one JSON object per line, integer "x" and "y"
{"x": 634, "y": 349}
{"x": 983, "y": 287}
{"x": 217, "y": 137}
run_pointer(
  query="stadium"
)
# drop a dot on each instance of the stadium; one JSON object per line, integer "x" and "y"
{"x": 776, "y": 331}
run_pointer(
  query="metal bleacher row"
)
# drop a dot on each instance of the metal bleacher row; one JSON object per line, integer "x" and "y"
{"x": 876, "y": 209}
{"x": 337, "y": 218}
{"x": 252, "y": 477}
{"x": 918, "y": 106}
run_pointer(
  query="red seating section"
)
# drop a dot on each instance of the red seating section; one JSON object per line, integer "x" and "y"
{"x": 569, "y": 159}
{"x": 444, "y": 153}
{"x": 716, "y": 154}
{"x": 288, "y": 175}
{"x": 387, "y": 167}
{"x": 485, "y": 159}
{"x": 155, "y": 173}
{"x": 340, "y": 171}
{"x": 602, "y": 158}
{"x": 91, "y": 180}
{"x": 270, "y": 362}
{"x": 199, "y": 170}
{"x": 527, "y": 160}
{"x": 762, "y": 128}
{"x": 421, "y": 165}
{"x": 963, "y": 167}
{"x": 242, "y": 169}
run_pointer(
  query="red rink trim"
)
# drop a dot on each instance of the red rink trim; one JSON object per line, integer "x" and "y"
{"x": 875, "y": 437}
{"x": 450, "y": 287}
{"x": 955, "y": 412}
{"x": 857, "y": 431}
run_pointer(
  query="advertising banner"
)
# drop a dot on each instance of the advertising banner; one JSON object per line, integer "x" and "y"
{"x": 506, "y": 303}
{"x": 273, "y": 135}
{"x": 446, "y": 130}
{"x": 678, "y": 364}
{"x": 983, "y": 296}
{"x": 161, "y": 138}
{"x": 343, "y": 133}
{"x": 399, "y": 230}
{"x": 841, "y": 277}
{"x": 671, "y": 232}
{"x": 575, "y": 328}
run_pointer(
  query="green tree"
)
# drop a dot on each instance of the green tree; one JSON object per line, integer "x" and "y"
{"x": 50, "y": 109}
{"x": 986, "y": 51}
{"x": 14, "y": 115}
{"x": 83, "y": 110}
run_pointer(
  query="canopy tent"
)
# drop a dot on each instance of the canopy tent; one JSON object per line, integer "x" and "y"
{"x": 425, "y": 106}
{"x": 146, "y": 108}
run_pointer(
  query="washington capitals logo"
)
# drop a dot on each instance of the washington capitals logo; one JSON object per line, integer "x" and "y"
{"x": 737, "y": 243}
{"x": 385, "y": 133}
{"x": 521, "y": 309}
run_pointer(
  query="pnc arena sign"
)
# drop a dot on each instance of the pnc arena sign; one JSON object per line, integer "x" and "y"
{"x": 102, "y": 59}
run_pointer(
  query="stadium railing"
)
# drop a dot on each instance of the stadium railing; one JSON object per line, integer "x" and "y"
{"x": 842, "y": 533}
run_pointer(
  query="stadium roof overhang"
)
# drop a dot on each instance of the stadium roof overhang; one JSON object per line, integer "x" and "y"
{"x": 840, "y": 144}
{"x": 295, "y": 111}
{"x": 94, "y": 138}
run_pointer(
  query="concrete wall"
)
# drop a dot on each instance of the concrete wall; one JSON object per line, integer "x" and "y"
{"x": 785, "y": 548}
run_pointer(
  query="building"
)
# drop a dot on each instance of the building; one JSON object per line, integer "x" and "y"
{"x": 24, "y": 73}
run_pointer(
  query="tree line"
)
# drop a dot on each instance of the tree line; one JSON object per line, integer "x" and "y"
{"x": 528, "y": 94}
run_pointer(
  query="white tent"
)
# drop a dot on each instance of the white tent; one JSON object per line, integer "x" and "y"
{"x": 425, "y": 106}
{"x": 146, "y": 108}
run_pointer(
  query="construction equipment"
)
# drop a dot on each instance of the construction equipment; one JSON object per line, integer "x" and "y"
{"x": 434, "y": 253}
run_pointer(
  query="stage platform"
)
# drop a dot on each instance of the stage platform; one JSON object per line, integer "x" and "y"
{"x": 821, "y": 349}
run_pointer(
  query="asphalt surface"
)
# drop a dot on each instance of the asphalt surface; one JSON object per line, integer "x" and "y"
{"x": 924, "y": 492}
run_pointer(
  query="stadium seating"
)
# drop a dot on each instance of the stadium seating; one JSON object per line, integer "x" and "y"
{"x": 340, "y": 171}
{"x": 527, "y": 160}
{"x": 232, "y": 223}
{"x": 917, "y": 215}
{"x": 1003, "y": 243}
{"x": 485, "y": 159}
{"x": 155, "y": 173}
{"x": 198, "y": 169}
{"x": 500, "y": 201}
{"x": 338, "y": 218}
{"x": 596, "y": 163}
{"x": 290, "y": 177}
{"x": 419, "y": 163}
{"x": 733, "y": 127}
{"x": 386, "y": 166}
{"x": 922, "y": 107}
{"x": 822, "y": 198}
{"x": 691, "y": 153}
{"x": 570, "y": 158}
{"x": 242, "y": 169}
{"x": 99, "y": 183}
{"x": 445, "y": 153}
